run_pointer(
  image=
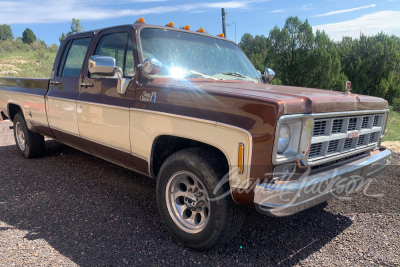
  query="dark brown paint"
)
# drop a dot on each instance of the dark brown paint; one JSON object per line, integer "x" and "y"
{"x": 124, "y": 158}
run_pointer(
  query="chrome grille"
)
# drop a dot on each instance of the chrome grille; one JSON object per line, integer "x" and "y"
{"x": 347, "y": 144}
{"x": 352, "y": 124}
{"x": 333, "y": 137}
{"x": 319, "y": 128}
{"x": 372, "y": 137}
{"x": 361, "y": 140}
{"x": 333, "y": 146}
{"x": 364, "y": 122}
{"x": 337, "y": 126}
{"x": 315, "y": 150}
{"x": 376, "y": 119}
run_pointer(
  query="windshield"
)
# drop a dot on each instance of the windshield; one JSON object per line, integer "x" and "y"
{"x": 188, "y": 55}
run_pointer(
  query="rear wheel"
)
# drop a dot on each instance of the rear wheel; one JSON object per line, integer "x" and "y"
{"x": 29, "y": 144}
{"x": 196, "y": 208}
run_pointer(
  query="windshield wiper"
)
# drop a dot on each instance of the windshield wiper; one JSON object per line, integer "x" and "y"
{"x": 235, "y": 74}
{"x": 196, "y": 74}
{"x": 239, "y": 75}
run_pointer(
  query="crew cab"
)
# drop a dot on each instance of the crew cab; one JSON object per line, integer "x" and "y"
{"x": 189, "y": 110}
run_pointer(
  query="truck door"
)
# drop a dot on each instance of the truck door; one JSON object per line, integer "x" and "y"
{"x": 103, "y": 113}
{"x": 64, "y": 91}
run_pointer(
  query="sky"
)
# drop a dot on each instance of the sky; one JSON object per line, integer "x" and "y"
{"x": 49, "y": 18}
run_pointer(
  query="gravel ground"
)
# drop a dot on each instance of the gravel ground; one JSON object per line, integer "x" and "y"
{"x": 72, "y": 209}
{"x": 392, "y": 145}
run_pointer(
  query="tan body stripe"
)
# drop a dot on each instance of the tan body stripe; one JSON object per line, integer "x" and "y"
{"x": 147, "y": 125}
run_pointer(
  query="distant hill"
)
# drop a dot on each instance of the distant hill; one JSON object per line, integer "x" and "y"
{"x": 26, "y": 60}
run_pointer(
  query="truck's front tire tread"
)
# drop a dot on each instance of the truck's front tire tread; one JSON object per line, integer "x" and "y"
{"x": 208, "y": 168}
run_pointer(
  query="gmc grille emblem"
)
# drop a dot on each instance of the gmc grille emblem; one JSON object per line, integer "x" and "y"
{"x": 353, "y": 134}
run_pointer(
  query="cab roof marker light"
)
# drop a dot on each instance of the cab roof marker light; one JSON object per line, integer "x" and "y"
{"x": 171, "y": 24}
{"x": 187, "y": 27}
{"x": 201, "y": 30}
{"x": 141, "y": 20}
{"x": 221, "y": 35}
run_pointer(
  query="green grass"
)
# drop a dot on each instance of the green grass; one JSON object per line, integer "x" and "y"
{"x": 393, "y": 127}
{"x": 31, "y": 64}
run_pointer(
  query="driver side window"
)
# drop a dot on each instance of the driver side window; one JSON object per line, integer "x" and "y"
{"x": 119, "y": 46}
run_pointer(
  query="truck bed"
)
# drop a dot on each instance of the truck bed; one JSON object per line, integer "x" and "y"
{"x": 27, "y": 94}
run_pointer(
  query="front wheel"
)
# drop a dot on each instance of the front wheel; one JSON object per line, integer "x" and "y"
{"x": 195, "y": 207}
{"x": 29, "y": 144}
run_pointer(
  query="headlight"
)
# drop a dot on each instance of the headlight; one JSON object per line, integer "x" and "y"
{"x": 292, "y": 138}
{"x": 284, "y": 138}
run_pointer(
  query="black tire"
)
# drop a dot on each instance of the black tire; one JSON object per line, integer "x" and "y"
{"x": 33, "y": 143}
{"x": 225, "y": 217}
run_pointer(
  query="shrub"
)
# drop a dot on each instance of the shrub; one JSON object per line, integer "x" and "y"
{"x": 7, "y": 46}
{"x": 35, "y": 46}
{"x": 41, "y": 55}
{"x": 396, "y": 104}
{"x": 53, "y": 48}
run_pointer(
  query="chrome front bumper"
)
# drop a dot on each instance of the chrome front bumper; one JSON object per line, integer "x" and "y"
{"x": 289, "y": 198}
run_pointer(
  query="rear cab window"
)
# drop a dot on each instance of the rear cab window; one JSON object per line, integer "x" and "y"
{"x": 73, "y": 57}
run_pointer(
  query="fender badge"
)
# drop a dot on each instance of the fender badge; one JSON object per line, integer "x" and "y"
{"x": 147, "y": 97}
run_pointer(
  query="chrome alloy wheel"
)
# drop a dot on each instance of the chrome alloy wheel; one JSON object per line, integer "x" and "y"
{"x": 187, "y": 201}
{"x": 20, "y": 136}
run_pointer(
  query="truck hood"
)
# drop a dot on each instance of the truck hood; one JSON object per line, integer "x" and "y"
{"x": 299, "y": 100}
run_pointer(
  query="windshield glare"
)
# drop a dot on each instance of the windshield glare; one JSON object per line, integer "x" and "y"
{"x": 188, "y": 55}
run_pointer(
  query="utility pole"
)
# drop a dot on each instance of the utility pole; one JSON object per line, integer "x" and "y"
{"x": 223, "y": 21}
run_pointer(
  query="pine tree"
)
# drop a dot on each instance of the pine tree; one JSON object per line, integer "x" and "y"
{"x": 372, "y": 64}
{"x": 302, "y": 58}
{"x": 6, "y": 32}
{"x": 28, "y": 36}
{"x": 76, "y": 27}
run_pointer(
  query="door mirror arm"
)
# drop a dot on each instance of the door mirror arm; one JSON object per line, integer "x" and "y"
{"x": 123, "y": 83}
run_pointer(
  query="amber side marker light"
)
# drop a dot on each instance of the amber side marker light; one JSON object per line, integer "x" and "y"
{"x": 171, "y": 24}
{"x": 241, "y": 158}
{"x": 187, "y": 27}
{"x": 221, "y": 35}
{"x": 141, "y": 20}
{"x": 201, "y": 30}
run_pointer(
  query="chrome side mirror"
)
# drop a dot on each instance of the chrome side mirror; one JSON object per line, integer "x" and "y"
{"x": 269, "y": 75}
{"x": 102, "y": 65}
{"x": 150, "y": 66}
{"x": 106, "y": 66}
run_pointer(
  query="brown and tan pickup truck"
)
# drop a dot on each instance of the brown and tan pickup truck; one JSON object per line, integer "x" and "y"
{"x": 190, "y": 110}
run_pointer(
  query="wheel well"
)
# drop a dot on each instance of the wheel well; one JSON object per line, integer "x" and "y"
{"x": 13, "y": 110}
{"x": 165, "y": 145}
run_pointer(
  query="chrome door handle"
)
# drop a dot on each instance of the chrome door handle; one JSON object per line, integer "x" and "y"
{"x": 54, "y": 82}
{"x": 86, "y": 84}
